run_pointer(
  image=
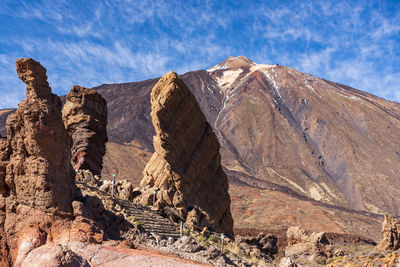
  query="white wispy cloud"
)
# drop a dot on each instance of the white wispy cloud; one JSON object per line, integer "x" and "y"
{"x": 110, "y": 41}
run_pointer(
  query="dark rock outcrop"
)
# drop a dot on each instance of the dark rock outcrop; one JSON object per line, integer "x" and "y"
{"x": 390, "y": 234}
{"x": 185, "y": 168}
{"x": 85, "y": 117}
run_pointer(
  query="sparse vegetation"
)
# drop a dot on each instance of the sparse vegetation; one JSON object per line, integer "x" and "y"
{"x": 213, "y": 238}
{"x": 138, "y": 222}
{"x": 186, "y": 231}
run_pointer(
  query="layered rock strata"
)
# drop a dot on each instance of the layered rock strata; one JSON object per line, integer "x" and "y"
{"x": 85, "y": 117}
{"x": 390, "y": 234}
{"x": 185, "y": 170}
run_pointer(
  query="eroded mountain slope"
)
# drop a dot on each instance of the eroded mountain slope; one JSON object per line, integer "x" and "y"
{"x": 323, "y": 140}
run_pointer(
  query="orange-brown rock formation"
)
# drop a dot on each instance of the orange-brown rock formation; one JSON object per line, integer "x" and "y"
{"x": 186, "y": 165}
{"x": 38, "y": 180}
{"x": 85, "y": 117}
{"x": 39, "y": 172}
{"x": 390, "y": 234}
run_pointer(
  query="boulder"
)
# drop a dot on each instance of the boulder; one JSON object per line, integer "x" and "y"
{"x": 123, "y": 189}
{"x": 296, "y": 235}
{"x": 266, "y": 243}
{"x": 390, "y": 234}
{"x": 312, "y": 247}
{"x": 85, "y": 117}
{"x": 185, "y": 168}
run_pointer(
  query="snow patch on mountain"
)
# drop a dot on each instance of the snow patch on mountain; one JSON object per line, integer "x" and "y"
{"x": 228, "y": 78}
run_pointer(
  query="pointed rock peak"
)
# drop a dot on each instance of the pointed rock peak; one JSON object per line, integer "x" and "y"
{"x": 168, "y": 80}
{"x": 34, "y": 75}
{"x": 240, "y": 60}
{"x": 233, "y": 63}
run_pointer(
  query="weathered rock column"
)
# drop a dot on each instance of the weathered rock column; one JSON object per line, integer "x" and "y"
{"x": 186, "y": 165}
{"x": 85, "y": 117}
{"x": 390, "y": 234}
{"x": 39, "y": 172}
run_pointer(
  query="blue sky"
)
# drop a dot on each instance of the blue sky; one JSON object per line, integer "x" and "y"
{"x": 94, "y": 42}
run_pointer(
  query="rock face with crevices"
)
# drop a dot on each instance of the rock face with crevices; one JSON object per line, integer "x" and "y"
{"x": 4, "y": 157}
{"x": 390, "y": 234}
{"x": 36, "y": 179}
{"x": 185, "y": 169}
{"x": 85, "y": 117}
{"x": 39, "y": 172}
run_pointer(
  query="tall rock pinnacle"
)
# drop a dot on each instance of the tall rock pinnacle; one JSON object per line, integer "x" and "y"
{"x": 39, "y": 170}
{"x": 186, "y": 164}
{"x": 85, "y": 117}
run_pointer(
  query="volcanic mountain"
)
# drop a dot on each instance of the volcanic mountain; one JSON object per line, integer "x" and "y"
{"x": 297, "y": 149}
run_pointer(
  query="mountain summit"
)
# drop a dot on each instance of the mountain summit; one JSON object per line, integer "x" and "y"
{"x": 233, "y": 63}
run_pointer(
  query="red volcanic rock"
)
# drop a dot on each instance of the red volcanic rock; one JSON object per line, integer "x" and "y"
{"x": 186, "y": 165}
{"x": 85, "y": 117}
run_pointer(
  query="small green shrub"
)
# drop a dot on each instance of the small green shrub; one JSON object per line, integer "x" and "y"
{"x": 213, "y": 238}
{"x": 137, "y": 222}
{"x": 205, "y": 244}
{"x": 186, "y": 231}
